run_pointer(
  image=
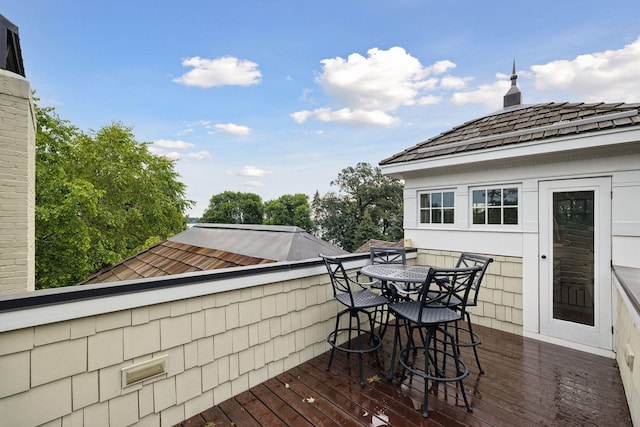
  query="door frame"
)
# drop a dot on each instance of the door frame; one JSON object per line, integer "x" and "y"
{"x": 600, "y": 335}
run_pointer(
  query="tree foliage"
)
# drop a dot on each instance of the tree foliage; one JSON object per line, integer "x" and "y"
{"x": 289, "y": 210}
{"x": 367, "y": 206}
{"x": 234, "y": 208}
{"x": 247, "y": 208}
{"x": 100, "y": 197}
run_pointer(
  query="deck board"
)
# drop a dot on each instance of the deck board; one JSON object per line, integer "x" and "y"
{"x": 526, "y": 382}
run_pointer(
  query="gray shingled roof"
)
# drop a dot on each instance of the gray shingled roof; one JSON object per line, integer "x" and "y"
{"x": 523, "y": 123}
{"x": 279, "y": 243}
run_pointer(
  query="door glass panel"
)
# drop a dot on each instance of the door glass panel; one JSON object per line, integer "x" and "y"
{"x": 573, "y": 256}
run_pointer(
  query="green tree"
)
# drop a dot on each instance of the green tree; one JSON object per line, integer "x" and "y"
{"x": 234, "y": 208}
{"x": 100, "y": 197}
{"x": 289, "y": 210}
{"x": 368, "y": 206}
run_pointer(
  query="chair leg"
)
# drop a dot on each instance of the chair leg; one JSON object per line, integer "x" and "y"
{"x": 373, "y": 336}
{"x": 334, "y": 335}
{"x": 474, "y": 343}
{"x": 385, "y": 323}
{"x": 396, "y": 342}
{"x": 427, "y": 358}
{"x": 457, "y": 366}
{"x": 360, "y": 345}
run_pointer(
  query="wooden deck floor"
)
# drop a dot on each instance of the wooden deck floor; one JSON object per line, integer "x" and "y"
{"x": 526, "y": 383}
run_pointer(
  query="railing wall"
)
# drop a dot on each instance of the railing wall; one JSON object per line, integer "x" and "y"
{"x": 218, "y": 334}
{"x": 500, "y": 297}
{"x": 216, "y": 345}
{"x": 627, "y": 335}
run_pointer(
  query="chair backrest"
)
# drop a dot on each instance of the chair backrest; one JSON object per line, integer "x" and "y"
{"x": 470, "y": 260}
{"x": 380, "y": 255}
{"x": 447, "y": 287}
{"x": 340, "y": 281}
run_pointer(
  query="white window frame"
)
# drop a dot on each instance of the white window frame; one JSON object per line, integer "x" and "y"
{"x": 500, "y": 226}
{"x": 436, "y": 224}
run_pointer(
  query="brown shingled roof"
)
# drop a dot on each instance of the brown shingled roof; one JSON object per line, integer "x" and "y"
{"x": 520, "y": 124}
{"x": 172, "y": 258}
{"x": 366, "y": 246}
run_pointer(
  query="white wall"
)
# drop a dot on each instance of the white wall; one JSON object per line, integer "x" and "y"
{"x": 522, "y": 242}
{"x": 625, "y": 171}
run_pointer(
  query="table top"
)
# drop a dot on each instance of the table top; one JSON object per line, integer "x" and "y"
{"x": 396, "y": 272}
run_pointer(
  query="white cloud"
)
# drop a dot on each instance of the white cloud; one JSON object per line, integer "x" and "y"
{"x": 383, "y": 81}
{"x": 490, "y": 95}
{"x": 608, "y": 76}
{"x": 166, "y": 143}
{"x": 306, "y": 96}
{"x": 223, "y": 71}
{"x": 441, "y": 67}
{"x": 233, "y": 129}
{"x": 174, "y": 155}
{"x": 429, "y": 100}
{"x": 185, "y": 131}
{"x": 455, "y": 83}
{"x": 368, "y": 90}
{"x": 195, "y": 126}
{"x": 199, "y": 155}
{"x": 253, "y": 171}
{"x": 301, "y": 116}
{"x": 161, "y": 147}
{"x": 600, "y": 76}
{"x": 359, "y": 117}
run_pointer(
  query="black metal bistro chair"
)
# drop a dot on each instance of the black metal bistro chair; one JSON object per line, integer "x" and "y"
{"x": 386, "y": 255}
{"x": 381, "y": 255}
{"x": 471, "y": 260}
{"x": 357, "y": 298}
{"x": 431, "y": 315}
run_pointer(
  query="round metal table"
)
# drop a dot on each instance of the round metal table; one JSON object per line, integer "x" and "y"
{"x": 405, "y": 278}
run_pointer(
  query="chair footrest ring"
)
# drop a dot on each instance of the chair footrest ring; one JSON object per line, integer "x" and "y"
{"x": 477, "y": 340}
{"x": 372, "y": 341}
{"x": 444, "y": 358}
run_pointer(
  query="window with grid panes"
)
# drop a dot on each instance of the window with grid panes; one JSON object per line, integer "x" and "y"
{"x": 437, "y": 207}
{"x": 495, "y": 206}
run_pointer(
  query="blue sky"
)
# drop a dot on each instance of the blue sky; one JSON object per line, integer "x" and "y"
{"x": 277, "y": 97}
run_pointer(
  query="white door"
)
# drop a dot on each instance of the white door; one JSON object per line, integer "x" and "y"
{"x": 575, "y": 260}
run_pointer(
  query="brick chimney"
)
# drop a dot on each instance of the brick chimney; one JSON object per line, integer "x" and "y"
{"x": 17, "y": 163}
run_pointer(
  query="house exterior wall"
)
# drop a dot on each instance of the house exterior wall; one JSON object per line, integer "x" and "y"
{"x": 521, "y": 242}
{"x": 17, "y": 185}
{"x": 500, "y": 296}
{"x": 217, "y": 345}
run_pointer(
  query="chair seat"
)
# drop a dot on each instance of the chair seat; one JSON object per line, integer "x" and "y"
{"x": 362, "y": 299}
{"x": 431, "y": 315}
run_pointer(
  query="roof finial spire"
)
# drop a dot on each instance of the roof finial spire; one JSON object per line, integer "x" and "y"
{"x": 513, "y": 96}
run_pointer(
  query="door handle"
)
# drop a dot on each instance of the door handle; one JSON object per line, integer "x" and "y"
{"x": 543, "y": 257}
